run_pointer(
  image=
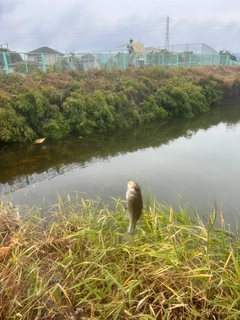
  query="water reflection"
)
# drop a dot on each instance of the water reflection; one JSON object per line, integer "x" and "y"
{"x": 26, "y": 163}
{"x": 179, "y": 156}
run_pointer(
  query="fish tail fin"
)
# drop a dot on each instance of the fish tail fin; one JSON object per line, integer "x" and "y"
{"x": 128, "y": 237}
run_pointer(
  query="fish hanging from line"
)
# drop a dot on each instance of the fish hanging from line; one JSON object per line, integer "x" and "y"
{"x": 134, "y": 208}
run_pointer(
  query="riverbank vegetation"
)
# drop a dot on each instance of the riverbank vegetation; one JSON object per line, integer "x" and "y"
{"x": 73, "y": 264}
{"x": 57, "y": 104}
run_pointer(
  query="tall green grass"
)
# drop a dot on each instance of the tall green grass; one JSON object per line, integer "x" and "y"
{"x": 74, "y": 265}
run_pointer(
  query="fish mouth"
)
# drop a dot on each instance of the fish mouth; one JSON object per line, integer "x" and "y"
{"x": 130, "y": 182}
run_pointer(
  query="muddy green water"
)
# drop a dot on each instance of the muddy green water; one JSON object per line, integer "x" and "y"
{"x": 182, "y": 160}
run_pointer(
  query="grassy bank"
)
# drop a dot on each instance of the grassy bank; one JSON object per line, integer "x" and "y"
{"x": 57, "y": 104}
{"x": 73, "y": 265}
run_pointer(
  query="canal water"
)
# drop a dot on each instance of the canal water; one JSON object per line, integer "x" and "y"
{"x": 180, "y": 161}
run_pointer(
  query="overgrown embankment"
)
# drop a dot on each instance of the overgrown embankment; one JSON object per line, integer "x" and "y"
{"x": 57, "y": 104}
{"x": 78, "y": 267}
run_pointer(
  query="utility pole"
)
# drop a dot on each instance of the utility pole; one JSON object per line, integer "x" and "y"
{"x": 167, "y": 35}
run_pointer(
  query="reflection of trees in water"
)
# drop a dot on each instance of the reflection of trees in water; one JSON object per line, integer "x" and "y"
{"x": 23, "y": 165}
{"x": 29, "y": 179}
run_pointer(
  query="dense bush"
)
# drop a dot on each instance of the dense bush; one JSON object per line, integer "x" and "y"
{"x": 56, "y": 104}
{"x": 182, "y": 98}
{"x": 13, "y": 126}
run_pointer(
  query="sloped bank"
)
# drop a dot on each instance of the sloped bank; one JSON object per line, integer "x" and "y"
{"x": 79, "y": 268}
{"x": 57, "y": 104}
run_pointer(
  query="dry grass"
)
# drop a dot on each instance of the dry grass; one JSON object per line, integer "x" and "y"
{"x": 78, "y": 268}
{"x": 219, "y": 73}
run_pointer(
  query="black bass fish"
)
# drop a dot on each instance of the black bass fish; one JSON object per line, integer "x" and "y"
{"x": 134, "y": 208}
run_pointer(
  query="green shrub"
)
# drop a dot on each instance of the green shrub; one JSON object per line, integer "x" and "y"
{"x": 55, "y": 104}
{"x": 45, "y": 118}
{"x": 182, "y": 98}
{"x": 210, "y": 92}
{"x": 75, "y": 112}
{"x": 125, "y": 113}
{"x": 149, "y": 110}
{"x": 13, "y": 126}
{"x": 99, "y": 111}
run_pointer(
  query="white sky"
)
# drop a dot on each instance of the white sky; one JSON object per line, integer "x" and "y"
{"x": 102, "y": 25}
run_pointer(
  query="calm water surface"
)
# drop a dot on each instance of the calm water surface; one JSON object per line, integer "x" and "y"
{"x": 182, "y": 160}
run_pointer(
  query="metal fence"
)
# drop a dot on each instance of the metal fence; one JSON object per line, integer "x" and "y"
{"x": 173, "y": 56}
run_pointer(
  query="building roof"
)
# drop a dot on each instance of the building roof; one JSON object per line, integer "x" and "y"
{"x": 45, "y": 50}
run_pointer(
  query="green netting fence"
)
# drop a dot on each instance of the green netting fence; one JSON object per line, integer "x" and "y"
{"x": 173, "y": 56}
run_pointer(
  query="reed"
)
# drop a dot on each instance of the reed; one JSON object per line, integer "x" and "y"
{"x": 73, "y": 264}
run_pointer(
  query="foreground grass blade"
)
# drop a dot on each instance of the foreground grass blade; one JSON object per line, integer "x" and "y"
{"x": 74, "y": 265}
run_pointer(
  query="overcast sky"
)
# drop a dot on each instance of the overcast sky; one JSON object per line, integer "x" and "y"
{"x": 102, "y": 25}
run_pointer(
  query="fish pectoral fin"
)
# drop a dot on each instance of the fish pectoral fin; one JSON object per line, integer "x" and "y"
{"x": 129, "y": 238}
